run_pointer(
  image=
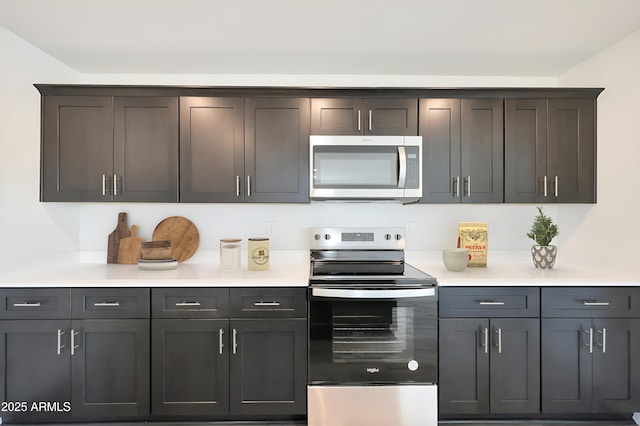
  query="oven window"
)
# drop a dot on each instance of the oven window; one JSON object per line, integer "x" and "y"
{"x": 354, "y": 166}
{"x": 381, "y": 332}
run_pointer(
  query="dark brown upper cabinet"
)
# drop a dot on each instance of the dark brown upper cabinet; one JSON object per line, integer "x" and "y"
{"x": 244, "y": 150}
{"x": 346, "y": 116}
{"x": 550, "y": 151}
{"x": 462, "y": 141}
{"x": 104, "y": 148}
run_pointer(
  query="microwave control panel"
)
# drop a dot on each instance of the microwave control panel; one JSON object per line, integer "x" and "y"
{"x": 413, "y": 167}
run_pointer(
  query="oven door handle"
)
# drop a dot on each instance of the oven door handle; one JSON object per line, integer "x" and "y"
{"x": 341, "y": 293}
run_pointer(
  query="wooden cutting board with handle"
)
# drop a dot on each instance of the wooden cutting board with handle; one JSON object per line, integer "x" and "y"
{"x": 129, "y": 251}
{"x": 183, "y": 234}
{"x": 121, "y": 231}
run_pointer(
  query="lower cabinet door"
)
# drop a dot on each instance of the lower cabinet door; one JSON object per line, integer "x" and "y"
{"x": 34, "y": 371}
{"x": 110, "y": 368}
{"x": 268, "y": 366}
{"x": 190, "y": 367}
{"x": 463, "y": 376}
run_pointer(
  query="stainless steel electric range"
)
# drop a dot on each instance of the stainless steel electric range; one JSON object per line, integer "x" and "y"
{"x": 372, "y": 331}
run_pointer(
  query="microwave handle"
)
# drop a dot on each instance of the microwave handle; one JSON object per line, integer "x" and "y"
{"x": 402, "y": 172}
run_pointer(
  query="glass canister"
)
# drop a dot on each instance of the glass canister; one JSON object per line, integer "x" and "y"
{"x": 230, "y": 254}
{"x": 258, "y": 254}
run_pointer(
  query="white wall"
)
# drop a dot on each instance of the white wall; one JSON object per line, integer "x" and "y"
{"x": 34, "y": 228}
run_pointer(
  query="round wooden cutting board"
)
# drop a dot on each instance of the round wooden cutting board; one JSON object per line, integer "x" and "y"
{"x": 183, "y": 234}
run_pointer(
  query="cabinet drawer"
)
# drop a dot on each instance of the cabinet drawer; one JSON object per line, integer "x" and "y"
{"x": 35, "y": 303}
{"x": 489, "y": 301}
{"x": 190, "y": 302}
{"x": 268, "y": 302}
{"x": 596, "y": 302}
{"x": 109, "y": 303}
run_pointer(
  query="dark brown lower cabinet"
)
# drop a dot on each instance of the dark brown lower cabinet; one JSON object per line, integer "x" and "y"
{"x": 489, "y": 366}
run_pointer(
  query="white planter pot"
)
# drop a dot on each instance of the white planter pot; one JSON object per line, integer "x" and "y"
{"x": 544, "y": 257}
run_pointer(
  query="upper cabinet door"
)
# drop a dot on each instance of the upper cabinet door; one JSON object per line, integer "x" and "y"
{"x": 277, "y": 150}
{"x": 211, "y": 149}
{"x": 346, "y": 116}
{"x": 77, "y": 148}
{"x": 571, "y": 148}
{"x": 145, "y": 149}
{"x": 525, "y": 150}
{"x": 482, "y": 160}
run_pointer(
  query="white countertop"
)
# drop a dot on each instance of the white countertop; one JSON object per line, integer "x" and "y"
{"x": 290, "y": 268}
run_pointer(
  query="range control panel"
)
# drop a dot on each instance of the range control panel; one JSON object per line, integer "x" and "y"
{"x": 356, "y": 238}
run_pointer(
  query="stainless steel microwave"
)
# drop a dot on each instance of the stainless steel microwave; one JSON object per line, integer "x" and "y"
{"x": 366, "y": 168}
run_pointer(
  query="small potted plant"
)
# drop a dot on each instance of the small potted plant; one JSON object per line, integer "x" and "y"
{"x": 542, "y": 232}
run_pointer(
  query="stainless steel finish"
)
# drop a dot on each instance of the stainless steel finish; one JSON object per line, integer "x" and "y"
{"x": 604, "y": 340}
{"x": 235, "y": 341}
{"x": 401, "y": 405}
{"x": 73, "y": 342}
{"x": 491, "y": 303}
{"x": 359, "y": 120}
{"x": 340, "y": 293}
{"x": 594, "y": 303}
{"x": 104, "y": 184}
{"x": 402, "y": 173}
{"x": 237, "y": 186}
{"x": 107, "y": 304}
{"x": 391, "y": 238}
{"x": 485, "y": 340}
{"x": 499, "y": 334}
{"x": 115, "y": 184}
{"x": 468, "y": 185}
{"x": 248, "y": 186}
{"x": 545, "y": 186}
{"x": 266, "y": 304}
{"x": 370, "y": 120}
{"x": 590, "y": 344}
{"x": 556, "y": 186}
{"x": 27, "y": 305}
{"x": 188, "y": 304}
{"x": 60, "y": 345}
{"x": 220, "y": 341}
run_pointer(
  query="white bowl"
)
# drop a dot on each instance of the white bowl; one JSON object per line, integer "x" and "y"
{"x": 455, "y": 260}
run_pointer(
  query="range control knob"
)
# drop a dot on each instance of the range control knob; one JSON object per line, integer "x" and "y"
{"x": 317, "y": 237}
{"x": 398, "y": 237}
{"x": 387, "y": 237}
{"x": 327, "y": 237}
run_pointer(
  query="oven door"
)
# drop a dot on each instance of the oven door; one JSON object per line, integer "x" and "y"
{"x": 372, "y": 336}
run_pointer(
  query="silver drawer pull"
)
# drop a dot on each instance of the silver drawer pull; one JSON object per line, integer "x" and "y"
{"x": 594, "y": 303}
{"x": 188, "y": 304}
{"x": 106, "y": 304}
{"x": 491, "y": 303}
{"x": 266, "y": 304}
{"x": 27, "y": 305}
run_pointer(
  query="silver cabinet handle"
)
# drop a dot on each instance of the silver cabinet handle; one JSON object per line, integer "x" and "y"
{"x": 359, "y": 120}
{"x": 266, "y": 304}
{"x": 370, "y": 120}
{"x": 237, "y": 185}
{"x": 235, "y": 341}
{"x": 590, "y": 344}
{"x": 104, "y": 184}
{"x": 485, "y": 340}
{"x": 106, "y": 304}
{"x": 115, "y": 184}
{"x": 468, "y": 185}
{"x": 248, "y": 186}
{"x": 499, "y": 333}
{"x": 604, "y": 339}
{"x": 402, "y": 172}
{"x": 27, "y": 305}
{"x": 556, "y": 187}
{"x": 491, "y": 302}
{"x": 60, "y": 345}
{"x": 188, "y": 304}
{"x": 456, "y": 186}
{"x": 594, "y": 303}
{"x": 221, "y": 341}
{"x": 73, "y": 342}
{"x": 544, "y": 183}
{"x": 372, "y": 294}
